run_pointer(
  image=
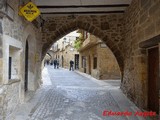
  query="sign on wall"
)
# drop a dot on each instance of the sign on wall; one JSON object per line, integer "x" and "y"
{"x": 30, "y": 11}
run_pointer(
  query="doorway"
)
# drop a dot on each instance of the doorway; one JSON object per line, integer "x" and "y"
{"x": 153, "y": 79}
{"x": 89, "y": 64}
{"x": 26, "y": 67}
{"x": 84, "y": 64}
{"x": 62, "y": 60}
{"x": 76, "y": 61}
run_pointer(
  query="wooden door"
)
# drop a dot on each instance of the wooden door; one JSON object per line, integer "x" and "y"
{"x": 76, "y": 61}
{"x": 84, "y": 64}
{"x": 153, "y": 79}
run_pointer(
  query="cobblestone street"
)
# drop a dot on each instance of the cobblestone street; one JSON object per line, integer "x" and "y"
{"x": 67, "y": 95}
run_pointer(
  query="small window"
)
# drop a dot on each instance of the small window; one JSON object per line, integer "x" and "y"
{"x": 77, "y": 38}
{"x": 13, "y": 63}
{"x": 82, "y": 62}
{"x": 10, "y": 67}
{"x": 95, "y": 63}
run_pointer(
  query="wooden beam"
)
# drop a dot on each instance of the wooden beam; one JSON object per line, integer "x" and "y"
{"x": 151, "y": 42}
{"x": 94, "y": 12}
{"x": 83, "y": 6}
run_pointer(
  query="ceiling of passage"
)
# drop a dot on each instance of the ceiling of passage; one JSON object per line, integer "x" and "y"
{"x": 76, "y": 7}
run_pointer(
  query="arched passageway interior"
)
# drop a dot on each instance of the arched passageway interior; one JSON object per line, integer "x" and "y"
{"x": 131, "y": 34}
{"x": 73, "y": 91}
{"x": 78, "y": 24}
{"x": 113, "y": 37}
{"x": 89, "y": 54}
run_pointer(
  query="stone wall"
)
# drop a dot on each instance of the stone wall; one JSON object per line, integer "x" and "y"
{"x": 68, "y": 55}
{"x": 107, "y": 66}
{"x": 1, "y": 69}
{"x": 122, "y": 33}
{"x": 142, "y": 22}
{"x": 11, "y": 98}
{"x": 107, "y": 27}
{"x": 159, "y": 82}
{"x": 15, "y": 32}
{"x": 1, "y": 53}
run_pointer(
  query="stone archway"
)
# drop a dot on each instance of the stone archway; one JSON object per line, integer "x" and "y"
{"x": 103, "y": 30}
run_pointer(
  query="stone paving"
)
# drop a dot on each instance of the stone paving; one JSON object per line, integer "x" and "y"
{"x": 68, "y": 95}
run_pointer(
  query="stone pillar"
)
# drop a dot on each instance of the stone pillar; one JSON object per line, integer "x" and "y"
{"x": 1, "y": 60}
{"x": 1, "y": 53}
{"x": 1, "y": 68}
{"x": 159, "y": 72}
{"x": 159, "y": 77}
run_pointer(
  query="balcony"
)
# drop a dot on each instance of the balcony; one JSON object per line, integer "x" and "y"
{"x": 89, "y": 42}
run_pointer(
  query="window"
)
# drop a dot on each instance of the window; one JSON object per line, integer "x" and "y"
{"x": 13, "y": 63}
{"x": 77, "y": 38}
{"x": 13, "y": 50}
{"x": 10, "y": 67}
{"x": 95, "y": 63}
{"x": 82, "y": 61}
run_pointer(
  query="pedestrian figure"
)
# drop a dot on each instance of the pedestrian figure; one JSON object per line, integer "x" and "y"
{"x": 47, "y": 62}
{"x": 71, "y": 65}
{"x": 51, "y": 62}
{"x": 55, "y": 63}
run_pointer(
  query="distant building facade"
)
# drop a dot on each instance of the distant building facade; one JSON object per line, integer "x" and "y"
{"x": 97, "y": 60}
{"x": 63, "y": 50}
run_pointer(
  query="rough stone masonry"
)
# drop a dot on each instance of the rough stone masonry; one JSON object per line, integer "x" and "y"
{"x": 122, "y": 33}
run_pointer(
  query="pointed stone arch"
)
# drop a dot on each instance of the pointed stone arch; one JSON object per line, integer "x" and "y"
{"x": 74, "y": 25}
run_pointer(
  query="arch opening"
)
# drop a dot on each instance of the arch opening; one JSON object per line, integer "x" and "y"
{"x": 93, "y": 56}
{"x": 72, "y": 26}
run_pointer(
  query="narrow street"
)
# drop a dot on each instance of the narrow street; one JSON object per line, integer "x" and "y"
{"x": 67, "y": 95}
{"x": 115, "y": 42}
